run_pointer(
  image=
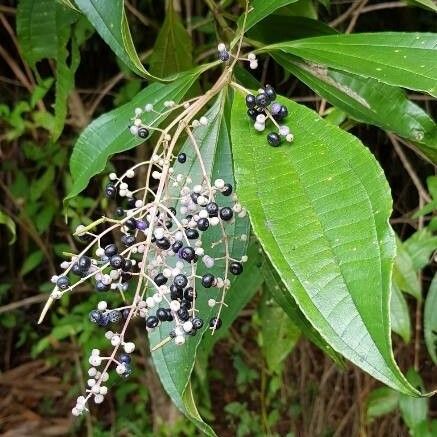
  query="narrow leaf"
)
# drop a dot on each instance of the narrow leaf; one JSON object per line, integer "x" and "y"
{"x": 109, "y": 19}
{"x": 404, "y": 272}
{"x": 10, "y": 224}
{"x": 172, "y": 50}
{"x": 401, "y": 59}
{"x": 421, "y": 246}
{"x": 430, "y": 320}
{"x": 320, "y": 208}
{"x": 109, "y": 133}
{"x": 426, "y": 4}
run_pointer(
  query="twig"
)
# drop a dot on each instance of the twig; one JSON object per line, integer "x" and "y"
{"x": 408, "y": 167}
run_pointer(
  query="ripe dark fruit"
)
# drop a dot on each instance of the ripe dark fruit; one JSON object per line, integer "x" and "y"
{"x": 115, "y": 316}
{"x": 182, "y": 158}
{"x": 143, "y": 132}
{"x": 175, "y": 292}
{"x": 176, "y": 246}
{"x": 163, "y": 243}
{"x": 187, "y": 253}
{"x": 271, "y": 93}
{"x": 215, "y": 323}
{"x": 161, "y": 313}
{"x": 274, "y": 139}
{"x": 131, "y": 224}
{"x": 119, "y": 212}
{"x": 226, "y": 213}
{"x": 189, "y": 294}
{"x": 203, "y": 224}
{"x": 127, "y": 267}
{"x": 223, "y": 56}
{"x": 84, "y": 263}
{"x": 111, "y": 250}
{"x": 262, "y": 100}
{"x": 252, "y": 113}
{"x": 212, "y": 209}
{"x": 180, "y": 281}
{"x": 250, "y": 101}
{"x": 197, "y": 323}
{"x": 152, "y": 322}
{"x": 236, "y": 268}
{"x": 183, "y": 314}
{"x": 208, "y": 280}
{"x": 94, "y": 316}
{"x": 116, "y": 262}
{"x": 110, "y": 191}
{"x": 282, "y": 113}
{"x": 227, "y": 190}
{"x": 127, "y": 240}
{"x": 192, "y": 234}
{"x": 160, "y": 279}
{"x": 100, "y": 286}
{"x": 77, "y": 271}
{"x": 63, "y": 282}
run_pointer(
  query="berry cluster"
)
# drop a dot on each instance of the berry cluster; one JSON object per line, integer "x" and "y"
{"x": 262, "y": 108}
{"x": 224, "y": 56}
{"x": 166, "y": 243}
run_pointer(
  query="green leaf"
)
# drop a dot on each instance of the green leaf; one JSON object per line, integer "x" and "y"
{"x": 277, "y": 28}
{"x": 260, "y": 9}
{"x": 420, "y": 246}
{"x": 109, "y": 20}
{"x": 172, "y": 51}
{"x": 368, "y": 101}
{"x": 401, "y": 59}
{"x": 381, "y": 401}
{"x": 399, "y": 314}
{"x": 10, "y": 224}
{"x": 173, "y": 363}
{"x": 404, "y": 272}
{"x": 320, "y": 208}
{"x": 31, "y": 262}
{"x": 279, "y": 334}
{"x": 243, "y": 289}
{"x": 426, "y": 4}
{"x": 109, "y": 133}
{"x": 413, "y": 410}
{"x": 280, "y": 294}
{"x": 430, "y": 320}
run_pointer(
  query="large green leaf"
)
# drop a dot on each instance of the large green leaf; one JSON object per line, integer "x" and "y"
{"x": 402, "y": 59}
{"x": 399, "y": 314}
{"x": 109, "y": 20}
{"x": 320, "y": 208}
{"x": 172, "y": 50}
{"x": 367, "y": 100}
{"x": 174, "y": 364}
{"x": 430, "y": 320}
{"x": 281, "y": 295}
{"x": 109, "y": 133}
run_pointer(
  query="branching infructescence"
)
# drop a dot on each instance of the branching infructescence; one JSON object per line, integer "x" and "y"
{"x": 158, "y": 231}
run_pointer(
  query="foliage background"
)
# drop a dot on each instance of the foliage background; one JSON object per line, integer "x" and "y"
{"x": 248, "y": 388}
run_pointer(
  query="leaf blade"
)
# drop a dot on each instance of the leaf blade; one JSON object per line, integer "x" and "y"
{"x": 430, "y": 320}
{"x": 348, "y": 324}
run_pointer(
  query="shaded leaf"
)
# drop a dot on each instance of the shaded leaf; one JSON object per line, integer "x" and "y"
{"x": 173, "y": 363}
{"x": 109, "y": 133}
{"x": 404, "y": 272}
{"x": 326, "y": 232}
{"x": 401, "y": 59}
{"x": 413, "y": 410}
{"x": 10, "y": 224}
{"x": 381, "y": 401}
{"x": 421, "y": 246}
{"x": 31, "y": 262}
{"x": 430, "y": 320}
{"x": 426, "y": 4}
{"x": 172, "y": 49}
{"x": 286, "y": 301}
{"x": 399, "y": 314}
